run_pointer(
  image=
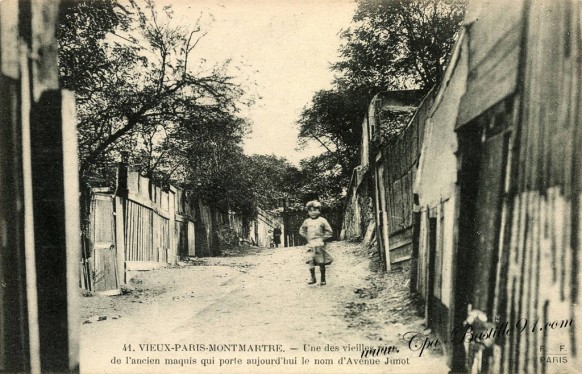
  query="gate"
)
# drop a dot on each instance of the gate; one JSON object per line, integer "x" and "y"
{"x": 104, "y": 255}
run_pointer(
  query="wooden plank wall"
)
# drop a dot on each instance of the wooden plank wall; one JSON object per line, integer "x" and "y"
{"x": 160, "y": 226}
{"x": 103, "y": 262}
{"x": 150, "y": 226}
{"x": 185, "y": 217}
{"x": 102, "y": 212}
{"x": 181, "y": 234}
{"x": 204, "y": 229}
{"x": 358, "y": 208}
{"x": 400, "y": 157}
{"x": 140, "y": 233}
{"x": 157, "y": 221}
{"x": 540, "y": 259}
{"x": 351, "y": 227}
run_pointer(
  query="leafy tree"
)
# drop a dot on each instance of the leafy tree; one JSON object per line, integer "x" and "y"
{"x": 219, "y": 172}
{"x": 142, "y": 84}
{"x": 334, "y": 120}
{"x": 323, "y": 180}
{"x": 139, "y": 89}
{"x": 83, "y": 26}
{"x": 399, "y": 44}
{"x": 209, "y": 160}
{"x": 391, "y": 44}
{"x": 272, "y": 178}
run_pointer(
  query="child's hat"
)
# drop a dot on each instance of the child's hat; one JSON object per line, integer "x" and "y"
{"x": 313, "y": 204}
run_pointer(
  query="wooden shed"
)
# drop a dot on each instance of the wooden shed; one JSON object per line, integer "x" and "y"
{"x": 519, "y": 185}
{"x": 482, "y": 191}
{"x": 498, "y": 189}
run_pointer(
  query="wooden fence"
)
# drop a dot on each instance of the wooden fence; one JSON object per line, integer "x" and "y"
{"x": 400, "y": 160}
{"x": 144, "y": 227}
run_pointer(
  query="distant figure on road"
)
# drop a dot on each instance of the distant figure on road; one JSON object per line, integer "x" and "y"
{"x": 277, "y": 236}
{"x": 316, "y": 230}
{"x": 270, "y": 239}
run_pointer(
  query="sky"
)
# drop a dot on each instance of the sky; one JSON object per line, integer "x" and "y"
{"x": 285, "y": 46}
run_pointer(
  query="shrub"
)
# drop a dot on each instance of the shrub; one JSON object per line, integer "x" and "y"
{"x": 227, "y": 237}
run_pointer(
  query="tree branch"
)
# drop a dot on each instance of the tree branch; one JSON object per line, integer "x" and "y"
{"x": 105, "y": 144}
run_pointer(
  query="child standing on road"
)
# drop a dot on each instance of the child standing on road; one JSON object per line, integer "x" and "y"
{"x": 316, "y": 230}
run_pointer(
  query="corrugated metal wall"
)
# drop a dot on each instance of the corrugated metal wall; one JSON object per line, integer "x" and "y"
{"x": 539, "y": 262}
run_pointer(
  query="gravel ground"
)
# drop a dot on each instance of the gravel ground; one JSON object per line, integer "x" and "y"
{"x": 209, "y": 309}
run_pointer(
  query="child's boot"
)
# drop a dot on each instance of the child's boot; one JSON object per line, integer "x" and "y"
{"x": 313, "y": 280}
{"x": 322, "y": 268}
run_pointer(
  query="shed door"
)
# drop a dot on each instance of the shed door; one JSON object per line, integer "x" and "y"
{"x": 105, "y": 277}
{"x": 487, "y": 219}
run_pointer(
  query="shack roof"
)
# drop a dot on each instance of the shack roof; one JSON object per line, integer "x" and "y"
{"x": 399, "y": 98}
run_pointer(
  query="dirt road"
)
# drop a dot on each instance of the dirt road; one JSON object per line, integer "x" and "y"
{"x": 255, "y": 313}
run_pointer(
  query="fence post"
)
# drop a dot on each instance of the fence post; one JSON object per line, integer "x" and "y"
{"x": 120, "y": 235}
{"x": 55, "y": 187}
{"x": 172, "y": 225}
{"x": 19, "y": 338}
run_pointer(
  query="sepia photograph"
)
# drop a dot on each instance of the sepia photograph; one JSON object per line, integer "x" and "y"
{"x": 290, "y": 186}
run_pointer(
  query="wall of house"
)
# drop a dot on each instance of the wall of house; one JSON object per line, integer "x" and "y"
{"x": 435, "y": 186}
{"x": 495, "y": 33}
{"x": 538, "y": 255}
{"x": 498, "y": 224}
